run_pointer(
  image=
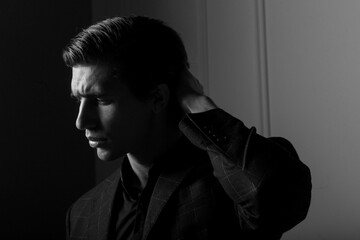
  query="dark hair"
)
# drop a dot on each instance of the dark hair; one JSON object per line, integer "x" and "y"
{"x": 142, "y": 51}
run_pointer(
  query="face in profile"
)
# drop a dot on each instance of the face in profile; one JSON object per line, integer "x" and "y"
{"x": 115, "y": 122}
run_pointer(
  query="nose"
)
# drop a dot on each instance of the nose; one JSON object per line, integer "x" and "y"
{"x": 86, "y": 118}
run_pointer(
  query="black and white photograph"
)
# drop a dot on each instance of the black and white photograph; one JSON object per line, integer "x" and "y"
{"x": 180, "y": 120}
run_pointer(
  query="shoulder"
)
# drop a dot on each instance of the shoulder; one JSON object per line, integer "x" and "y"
{"x": 285, "y": 144}
{"x": 88, "y": 201}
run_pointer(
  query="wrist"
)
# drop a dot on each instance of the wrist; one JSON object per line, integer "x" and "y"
{"x": 197, "y": 104}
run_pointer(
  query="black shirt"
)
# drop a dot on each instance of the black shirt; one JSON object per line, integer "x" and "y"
{"x": 131, "y": 203}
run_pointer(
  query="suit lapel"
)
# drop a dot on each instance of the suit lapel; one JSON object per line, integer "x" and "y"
{"x": 164, "y": 188}
{"x": 99, "y": 222}
{"x": 182, "y": 160}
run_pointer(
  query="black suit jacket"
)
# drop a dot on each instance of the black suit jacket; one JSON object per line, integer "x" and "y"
{"x": 230, "y": 183}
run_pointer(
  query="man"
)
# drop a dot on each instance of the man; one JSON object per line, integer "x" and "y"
{"x": 189, "y": 170}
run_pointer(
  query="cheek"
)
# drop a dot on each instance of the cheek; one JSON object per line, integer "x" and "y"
{"x": 141, "y": 124}
{"x": 139, "y": 121}
{"x": 108, "y": 115}
{"x": 112, "y": 121}
{"x": 129, "y": 122}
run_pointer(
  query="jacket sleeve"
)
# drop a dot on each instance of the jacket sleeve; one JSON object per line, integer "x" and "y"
{"x": 270, "y": 186}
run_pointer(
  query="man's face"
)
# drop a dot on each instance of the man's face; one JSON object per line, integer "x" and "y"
{"x": 114, "y": 120}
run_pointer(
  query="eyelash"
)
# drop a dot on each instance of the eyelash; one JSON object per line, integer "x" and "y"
{"x": 103, "y": 101}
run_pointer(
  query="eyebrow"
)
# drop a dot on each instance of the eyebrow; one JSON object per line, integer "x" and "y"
{"x": 79, "y": 95}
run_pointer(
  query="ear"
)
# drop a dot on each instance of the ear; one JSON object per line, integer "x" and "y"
{"x": 160, "y": 98}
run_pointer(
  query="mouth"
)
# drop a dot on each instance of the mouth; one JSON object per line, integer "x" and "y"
{"x": 96, "y": 142}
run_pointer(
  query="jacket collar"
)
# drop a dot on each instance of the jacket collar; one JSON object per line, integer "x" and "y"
{"x": 175, "y": 169}
{"x": 99, "y": 222}
{"x": 176, "y": 166}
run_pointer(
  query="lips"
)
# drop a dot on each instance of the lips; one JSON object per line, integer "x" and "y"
{"x": 95, "y": 142}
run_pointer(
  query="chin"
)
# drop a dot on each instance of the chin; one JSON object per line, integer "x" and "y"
{"x": 107, "y": 156}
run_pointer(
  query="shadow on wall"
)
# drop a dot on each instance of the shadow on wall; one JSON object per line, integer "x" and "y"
{"x": 46, "y": 165}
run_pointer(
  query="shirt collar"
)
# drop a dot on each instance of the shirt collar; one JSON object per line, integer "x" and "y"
{"x": 130, "y": 182}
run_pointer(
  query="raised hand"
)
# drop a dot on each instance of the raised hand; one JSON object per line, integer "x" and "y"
{"x": 190, "y": 94}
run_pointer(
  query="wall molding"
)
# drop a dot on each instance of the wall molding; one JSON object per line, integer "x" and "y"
{"x": 263, "y": 68}
{"x": 202, "y": 42}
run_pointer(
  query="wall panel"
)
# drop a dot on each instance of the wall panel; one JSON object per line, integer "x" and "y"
{"x": 314, "y": 59}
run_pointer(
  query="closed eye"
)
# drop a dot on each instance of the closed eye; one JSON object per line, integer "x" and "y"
{"x": 96, "y": 99}
{"x": 104, "y": 100}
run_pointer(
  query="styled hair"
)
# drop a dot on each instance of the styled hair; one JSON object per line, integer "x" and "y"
{"x": 142, "y": 52}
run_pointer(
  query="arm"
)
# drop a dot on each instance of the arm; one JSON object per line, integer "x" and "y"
{"x": 268, "y": 183}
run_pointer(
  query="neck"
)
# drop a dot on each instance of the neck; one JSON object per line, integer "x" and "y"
{"x": 142, "y": 162}
{"x": 140, "y": 169}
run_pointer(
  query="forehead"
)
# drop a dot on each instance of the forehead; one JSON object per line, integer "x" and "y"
{"x": 91, "y": 79}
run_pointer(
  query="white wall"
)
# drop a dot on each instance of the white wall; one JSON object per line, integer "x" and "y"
{"x": 292, "y": 69}
{"x": 314, "y": 71}
{"x": 236, "y": 77}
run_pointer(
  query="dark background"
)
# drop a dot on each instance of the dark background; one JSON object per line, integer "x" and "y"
{"x": 45, "y": 165}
